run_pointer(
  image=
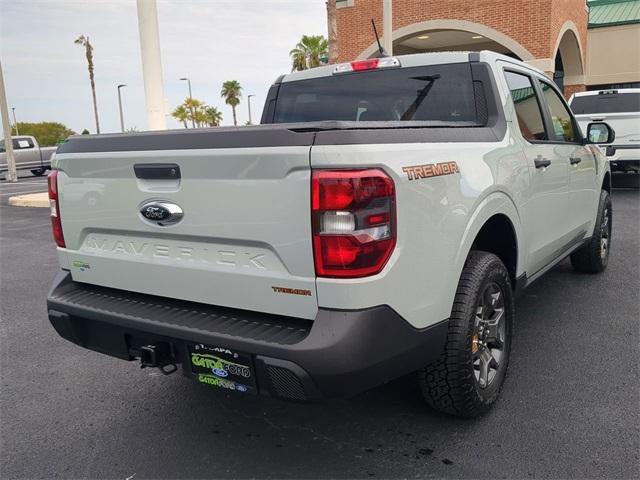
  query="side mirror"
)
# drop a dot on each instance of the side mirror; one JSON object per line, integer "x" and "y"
{"x": 600, "y": 133}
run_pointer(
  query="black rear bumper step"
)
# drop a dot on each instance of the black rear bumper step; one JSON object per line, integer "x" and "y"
{"x": 339, "y": 354}
{"x": 128, "y": 308}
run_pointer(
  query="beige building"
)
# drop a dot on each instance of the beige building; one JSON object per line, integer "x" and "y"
{"x": 613, "y": 44}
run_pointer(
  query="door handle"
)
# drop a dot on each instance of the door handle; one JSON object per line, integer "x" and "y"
{"x": 574, "y": 160}
{"x": 541, "y": 162}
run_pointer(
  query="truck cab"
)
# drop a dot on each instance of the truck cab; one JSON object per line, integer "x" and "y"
{"x": 28, "y": 155}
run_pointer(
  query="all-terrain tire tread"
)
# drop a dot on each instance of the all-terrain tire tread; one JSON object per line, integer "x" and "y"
{"x": 447, "y": 383}
{"x": 587, "y": 259}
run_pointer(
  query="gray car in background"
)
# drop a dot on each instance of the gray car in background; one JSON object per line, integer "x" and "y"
{"x": 28, "y": 154}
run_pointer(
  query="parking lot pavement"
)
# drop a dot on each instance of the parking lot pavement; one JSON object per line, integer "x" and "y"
{"x": 27, "y": 183}
{"x": 569, "y": 408}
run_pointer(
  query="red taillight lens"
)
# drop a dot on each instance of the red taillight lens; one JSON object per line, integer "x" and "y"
{"x": 56, "y": 225}
{"x": 353, "y": 221}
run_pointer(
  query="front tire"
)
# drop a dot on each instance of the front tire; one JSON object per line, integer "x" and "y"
{"x": 594, "y": 256}
{"x": 466, "y": 380}
{"x": 38, "y": 172}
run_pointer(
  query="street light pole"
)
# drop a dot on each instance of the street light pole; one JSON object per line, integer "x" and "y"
{"x": 120, "y": 107}
{"x": 12, "y": 175}
{"x": 193, "y": 120}
{"x": 15, "y": 122}
{"x": 249, "y": 104}
{"x": 151, "y": 64}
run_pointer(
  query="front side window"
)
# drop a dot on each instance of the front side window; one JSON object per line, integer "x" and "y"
{"x": 563, "y": 127}
{"x": 527, "y": 106}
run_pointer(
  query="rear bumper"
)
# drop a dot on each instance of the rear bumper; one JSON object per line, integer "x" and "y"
{"x": 339, "y": 354}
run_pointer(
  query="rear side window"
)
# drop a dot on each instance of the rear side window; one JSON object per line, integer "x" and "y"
{"x": 18, "y": 144}
{"x": 563, "y": 126}
{"x": 606, "y": 103}
{"x": 527, "y": 106}
{"x": 441, "y": 93}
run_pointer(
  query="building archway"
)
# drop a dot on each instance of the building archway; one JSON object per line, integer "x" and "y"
{"x": 451, "y": 34}
{"x": 567, "y": 55}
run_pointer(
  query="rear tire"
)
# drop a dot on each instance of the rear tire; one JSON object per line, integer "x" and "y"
{"x": 594, "y": 256}
{"x": 467, "y": 378}
{"x": 38, "y": 172}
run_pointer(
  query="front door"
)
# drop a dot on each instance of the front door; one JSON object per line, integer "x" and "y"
{"x": 584, "y": 192}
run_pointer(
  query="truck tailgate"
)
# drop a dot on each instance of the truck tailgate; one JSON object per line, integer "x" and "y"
{"x": 244, "y": 240}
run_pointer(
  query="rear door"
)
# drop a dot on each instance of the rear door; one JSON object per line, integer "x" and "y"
{"x": 243, "y": 241}
{"x": 545, "y": 213}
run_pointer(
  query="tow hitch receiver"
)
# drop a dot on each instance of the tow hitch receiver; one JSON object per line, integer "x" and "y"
{"x": 159, "y": 355}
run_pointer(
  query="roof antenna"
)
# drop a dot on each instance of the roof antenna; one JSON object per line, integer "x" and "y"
{"x": 383, "y": 52}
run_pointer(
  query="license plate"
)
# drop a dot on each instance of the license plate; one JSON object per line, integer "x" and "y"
{"x": 223, "y": 368}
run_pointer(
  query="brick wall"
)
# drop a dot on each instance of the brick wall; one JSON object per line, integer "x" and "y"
{"x": 535, "y": 24}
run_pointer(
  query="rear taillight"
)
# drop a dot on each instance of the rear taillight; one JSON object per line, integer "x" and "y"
{"x": 353, "y": 218}
{"x": 54, "y": 204}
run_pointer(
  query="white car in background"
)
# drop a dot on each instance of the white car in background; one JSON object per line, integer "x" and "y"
{"x": 621, "y": 109}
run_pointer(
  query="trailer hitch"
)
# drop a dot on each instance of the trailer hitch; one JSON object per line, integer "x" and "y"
{"x": 160, "y": 356}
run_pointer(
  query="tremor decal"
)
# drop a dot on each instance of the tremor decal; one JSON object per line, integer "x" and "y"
{"x": 414, "y": 172}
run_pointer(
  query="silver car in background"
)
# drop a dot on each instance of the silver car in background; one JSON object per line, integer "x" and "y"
{"x": 28, "y": 154}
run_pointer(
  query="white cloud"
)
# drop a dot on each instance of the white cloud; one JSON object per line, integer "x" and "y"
{"x": 208, "y": 41}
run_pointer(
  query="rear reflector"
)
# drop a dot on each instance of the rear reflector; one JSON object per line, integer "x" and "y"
{"x": 353, "y": 222}
{"x": 364, "y": 65}
{"x": 54, "y": 204}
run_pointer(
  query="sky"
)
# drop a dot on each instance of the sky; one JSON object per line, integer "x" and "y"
{"x": 208, "y": 41}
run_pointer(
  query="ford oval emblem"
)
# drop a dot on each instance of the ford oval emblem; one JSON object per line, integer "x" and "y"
{"x": 161, "y": 213}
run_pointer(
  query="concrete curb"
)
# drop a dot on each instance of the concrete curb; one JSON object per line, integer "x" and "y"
{"x": 40, "y": 200}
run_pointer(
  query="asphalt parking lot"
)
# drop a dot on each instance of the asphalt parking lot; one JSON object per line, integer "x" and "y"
{"x": 569, "y": 408}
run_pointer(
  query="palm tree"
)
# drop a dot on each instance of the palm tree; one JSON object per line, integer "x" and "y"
{"x": 192, "y": 104}
{"x": 200, "y": 117}
{"x": 231, "y": 92}
{"x": 181, "y": 114}
{"x": 308, "y": 52}
{"x": 214, "y": 116}
{"x": 88, "y": 50}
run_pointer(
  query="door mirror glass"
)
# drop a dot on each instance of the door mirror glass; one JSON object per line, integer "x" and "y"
{"x": 600, "y": 133}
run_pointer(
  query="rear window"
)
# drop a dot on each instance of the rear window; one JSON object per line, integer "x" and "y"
{"x": 442, "y": 93}
{"x": 606, "y": 103}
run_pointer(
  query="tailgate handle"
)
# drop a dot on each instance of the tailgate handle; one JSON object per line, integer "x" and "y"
{"x": 157, "y": 171}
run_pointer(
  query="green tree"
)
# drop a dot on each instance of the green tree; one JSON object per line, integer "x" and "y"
{"x": 231, "y": 92}
{"x": 309, "y": 52}
{"x": 88, "y": 50}
{"x": 200, "y": 117}
{"x": 181, "y": 114}
{"x": 46, "y": 133}
{"x": 213, "y": 116}
{"x": 85, "y": 132}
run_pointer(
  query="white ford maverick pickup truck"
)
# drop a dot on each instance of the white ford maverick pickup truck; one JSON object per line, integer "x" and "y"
{"x": 379, "y": 222}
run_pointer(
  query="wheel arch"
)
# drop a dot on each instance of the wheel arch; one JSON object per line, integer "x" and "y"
{"x": 495, "y": 227}
{"x": 606, "y": 183}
